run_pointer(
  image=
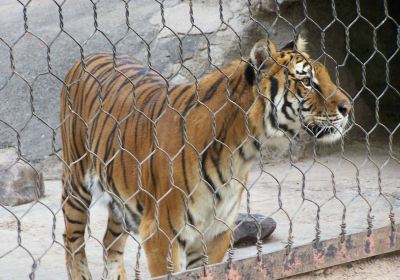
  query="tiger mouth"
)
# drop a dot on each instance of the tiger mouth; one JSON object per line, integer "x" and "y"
{"x": 319, "y": 131}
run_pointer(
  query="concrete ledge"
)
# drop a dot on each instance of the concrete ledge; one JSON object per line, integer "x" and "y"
{"x": 301, "y": 259}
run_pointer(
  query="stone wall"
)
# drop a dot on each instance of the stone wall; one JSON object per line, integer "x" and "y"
{"x": 30, "y": 104}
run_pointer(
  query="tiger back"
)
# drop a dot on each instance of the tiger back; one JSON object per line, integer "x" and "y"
{"x": 174, "y": 159}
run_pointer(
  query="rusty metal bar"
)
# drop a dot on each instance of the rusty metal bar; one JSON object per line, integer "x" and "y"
{"x": 301, "y": 259}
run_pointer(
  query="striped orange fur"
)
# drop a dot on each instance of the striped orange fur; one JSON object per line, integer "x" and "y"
{"x": 174, "y": 159}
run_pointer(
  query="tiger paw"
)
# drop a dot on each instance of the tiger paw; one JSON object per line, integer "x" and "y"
{"x": 245, "y": 232}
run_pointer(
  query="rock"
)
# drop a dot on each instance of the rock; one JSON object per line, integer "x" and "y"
{"x": 206, "y": 18}
{"x": 37, "y": 136}
{"x": 19, "y": 182}
{"x": 271, "y": 5}
{"x": 50, "y": 167}
{"x": 246, "y": 229}
{"x": 178, "y": 79}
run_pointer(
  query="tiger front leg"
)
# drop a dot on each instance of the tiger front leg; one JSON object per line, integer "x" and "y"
{"x": 215, "y": 251}
{"x": 164, "y": 254}
{"x": 217, "y": 248}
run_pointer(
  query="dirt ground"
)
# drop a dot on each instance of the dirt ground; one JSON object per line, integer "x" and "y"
{"x": 41, "y": 223}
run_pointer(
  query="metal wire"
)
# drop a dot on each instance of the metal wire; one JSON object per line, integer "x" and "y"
{"x": 317, "y": 196}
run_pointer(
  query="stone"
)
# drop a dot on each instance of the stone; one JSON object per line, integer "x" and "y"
{"x": 206, "y": 18}
{"x": 246, "y": 229}
{"x": 19, "y": 182}
{"x": 178, "y": 79}
{"x": 271, "y": 5}
{"x": 51, "y": 167}
{"x": 37, "y": 137}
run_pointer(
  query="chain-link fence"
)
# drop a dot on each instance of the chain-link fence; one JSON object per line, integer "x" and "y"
{"x": 186, "y": 131}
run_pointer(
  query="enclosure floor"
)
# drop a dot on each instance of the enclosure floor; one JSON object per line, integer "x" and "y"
{"x": 40, "y": 240}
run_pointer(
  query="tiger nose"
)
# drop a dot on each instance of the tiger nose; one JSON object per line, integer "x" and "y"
{"x": 344, "y": 107}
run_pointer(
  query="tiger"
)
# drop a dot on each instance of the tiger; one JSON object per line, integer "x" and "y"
{"x": 173, "y": 160}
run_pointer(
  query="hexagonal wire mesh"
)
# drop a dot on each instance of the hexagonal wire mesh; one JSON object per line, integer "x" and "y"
{"x": 178, "y": 147}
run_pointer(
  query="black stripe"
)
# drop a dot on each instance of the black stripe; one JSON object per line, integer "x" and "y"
{"x": 114, "y": 251}
{"x": 111, "y": 135}
{"x": 139, "y": 116}
{"x": 209, "y": 94}
{"x": 98, "y": 79}
{"x": 99, "y": 139}
{"x": 75, "y": 207}
{"x": 257, "y": 145}
{"x": 161, "y": 110}
{"x": 71, "y": 221}
{"x": 241, "y": 154}
{"x": 73, "y": 239}
{"x": 303, "y": 108}
{"x": 299, "y": 92}
{"x": 317, "y": 87}
{"x": 136, "y": 78}
{"x": 123, "y": 165}
{"x": 85, "y": 189}
{"x": 222, "y": 136}
{"x": 110, "y": 139}
{"x": 72, "y": 77}
{"x": 109, "y": 179}
{"x": 78, "y": 232}
{"x": 190, "y": 218}
{"x": 74, "y": 141}
{"x": 235, "y": 87}
{"x": 87, "y": 201}
{"x": 189, "y": 104}
{"x": 274, "y": 92}
{"x": 179, "y": 96}
{"x": 207, "y": 178}
{"x": 301, "y": 72}
{"x": 185, "y": 178}
{"x": 286, "y": 128}
{"x": 192, "y": 262}
{"x": 134, "y": 217}
{"x": 181, "y": 242}
{"x": 92, "y": 58}
{"x": 153, "y": 171}
{"x": 216, "y": 163}
{"x": 122, "y": 72}
{"x": 139, "y": 207}
{"x": 114, "y": 233}
{"x": 148, "y": 80}
{"x": 249, "y": 74}
{"x": 287, "y": 104}
{"x": 213, "y": 88}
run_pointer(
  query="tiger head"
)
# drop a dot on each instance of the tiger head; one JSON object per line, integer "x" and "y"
{"x": 299, "y": 91}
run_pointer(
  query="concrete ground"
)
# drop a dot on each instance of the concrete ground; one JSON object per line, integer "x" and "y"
{"x": 41, "y": 223}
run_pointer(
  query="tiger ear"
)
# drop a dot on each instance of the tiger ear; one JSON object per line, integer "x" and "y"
{"x": 300, "y": 43}
{"x": 261, "y": 53}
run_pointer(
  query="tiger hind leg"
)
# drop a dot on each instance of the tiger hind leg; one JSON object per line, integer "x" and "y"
{"x": 119, "y": 223}
{"x": 75, "y": 202}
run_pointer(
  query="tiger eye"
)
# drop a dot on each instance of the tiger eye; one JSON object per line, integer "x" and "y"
{"x": 306, "y": 82}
